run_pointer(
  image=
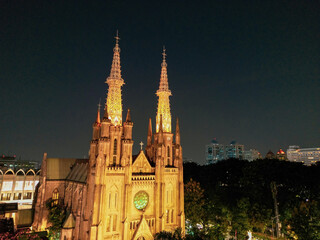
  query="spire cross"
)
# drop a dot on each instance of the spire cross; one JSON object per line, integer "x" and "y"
{"x": 117, "y": 37}
{"x": 164, "y": 53}
{"x": 99, "y": 105}
{"x": 141, "y": 144}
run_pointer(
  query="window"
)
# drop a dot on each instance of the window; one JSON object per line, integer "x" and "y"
{"x": 17, "y": 196}
{"x": 172, "y": 216}
{"x": 18, "y": 185}
{"x": 28, "y": 195}
{"x": 168, "y": 151}
{"x": 115, "y": 147}
{"x": 55, "y": 197}
{"x": 108, "y": 223}
{"x": 7, "y": 185}
{"x": 5, "y": 196}
{"x": 167, "y": 213}
{"x": 114, "y": 159}
{"x": 28, "y": 185}
{"x": 114, "y": 222}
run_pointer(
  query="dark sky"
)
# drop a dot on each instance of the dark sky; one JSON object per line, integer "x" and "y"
{"x": 238, "y": 70}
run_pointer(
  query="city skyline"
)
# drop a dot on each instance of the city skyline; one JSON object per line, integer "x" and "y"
{"x": 248, "y": 75}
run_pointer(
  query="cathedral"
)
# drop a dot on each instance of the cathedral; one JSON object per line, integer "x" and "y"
{"x": 115, "y": 194}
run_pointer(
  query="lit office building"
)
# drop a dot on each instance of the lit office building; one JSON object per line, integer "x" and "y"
{"x": 307, "y": 156}
{"x": 11, "y": 162}
{"x": 252, "y": 154}
{"x": 216, "y": 152}
{"x": 234, "y": 150}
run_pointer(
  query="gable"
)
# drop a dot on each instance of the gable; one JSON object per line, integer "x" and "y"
{"x": 70, "y": 222}
{"x": 143, "y": 231}
{"x": 141, "y": 164}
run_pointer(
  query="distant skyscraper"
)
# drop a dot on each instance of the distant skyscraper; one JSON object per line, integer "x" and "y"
{"x": 307, "y": 156}
{"x": 252, "y": 154}
{"x": 216, "y": 152}
{"x": 234, "y": 150}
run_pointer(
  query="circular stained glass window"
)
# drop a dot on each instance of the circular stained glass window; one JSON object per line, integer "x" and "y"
{"x": 141, "y": 200}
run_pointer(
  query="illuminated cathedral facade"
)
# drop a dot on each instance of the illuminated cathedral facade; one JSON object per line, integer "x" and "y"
{"x": 115, "y": 194}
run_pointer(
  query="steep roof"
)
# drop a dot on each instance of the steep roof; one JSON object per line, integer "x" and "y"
{"x": 78, "y": 173}
{"x": 59, "y": 168}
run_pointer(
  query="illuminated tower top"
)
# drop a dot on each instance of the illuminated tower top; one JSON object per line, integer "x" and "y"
{"x": 114, "y": 101}
{"x": 163, "y": 102}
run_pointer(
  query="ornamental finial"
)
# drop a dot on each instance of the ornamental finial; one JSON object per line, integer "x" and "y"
{"x": 164, "y": 53}
{"x": 117, "y": 37}
{"x": 99, "y": 104}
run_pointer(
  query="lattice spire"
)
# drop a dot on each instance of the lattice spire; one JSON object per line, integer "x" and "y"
{"x": 163, "y": 102}
{"x": 114, "y": 101}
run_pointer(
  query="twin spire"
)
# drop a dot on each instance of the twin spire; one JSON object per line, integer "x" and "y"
{"x": 163, "y": 94}
{"x": 114, "y": 99}
{"x": 113, "y": 107}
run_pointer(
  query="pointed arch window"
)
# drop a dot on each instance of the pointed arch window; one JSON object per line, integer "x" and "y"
{"x": 115, "y": 147}
{"x": 168, "y": 151}
{"x": 55, "y": 197}
{"x": 172, "y": 216}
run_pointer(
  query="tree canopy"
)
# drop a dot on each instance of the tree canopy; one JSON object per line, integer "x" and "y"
{"x": 235, "y": 196}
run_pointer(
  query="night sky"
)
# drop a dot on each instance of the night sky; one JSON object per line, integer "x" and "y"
{"x": 238, "y": 70}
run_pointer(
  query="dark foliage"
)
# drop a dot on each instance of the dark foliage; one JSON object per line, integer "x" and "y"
{"x": 238, "y": 197}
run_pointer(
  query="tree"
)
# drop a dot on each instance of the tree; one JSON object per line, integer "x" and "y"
{"x": 194, "y": 202}
{"x": 164, "y": 235}
{"x": 240, "y": 219}
{"x": 305, "y": 221}
{"x": 56, "y": 217}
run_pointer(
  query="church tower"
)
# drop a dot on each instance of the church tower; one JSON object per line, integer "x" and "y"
{"x": 166, "y": 155}
{"x": 116, "y": 195}
{"x": 110, "y": 161}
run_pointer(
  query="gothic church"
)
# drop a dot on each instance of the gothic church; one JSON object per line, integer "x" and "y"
{"x": 114, "y": 194}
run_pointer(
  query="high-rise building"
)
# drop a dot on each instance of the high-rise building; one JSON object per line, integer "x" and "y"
{"x": 252, "y": 154}
{"x": 307, "y": 156}
{"x": 234, "y": 150}
{"x": 117, "y": 195}
{"x": 216, "y": 152}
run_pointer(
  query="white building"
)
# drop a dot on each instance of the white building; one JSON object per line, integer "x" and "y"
{"x": 307, "y": 156}
{"x": 18, "y": 188}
